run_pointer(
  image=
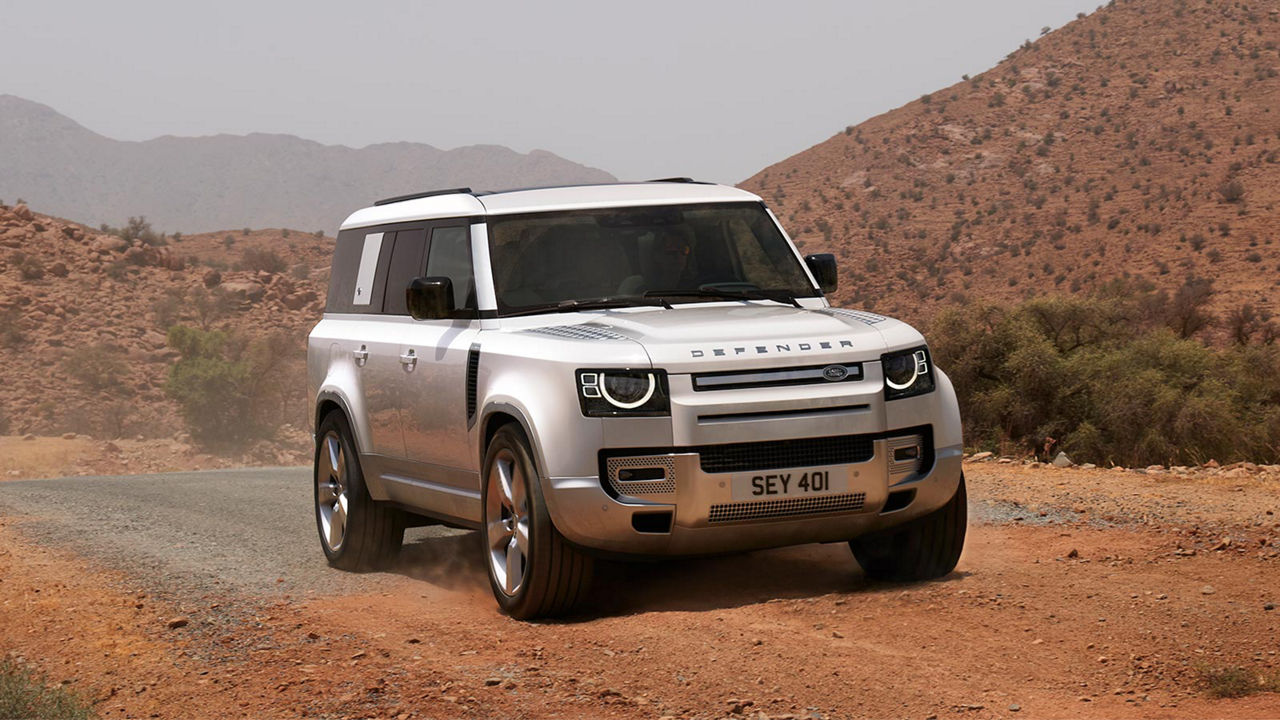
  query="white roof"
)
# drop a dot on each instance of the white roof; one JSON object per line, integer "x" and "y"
{"x": 577, "y": 197}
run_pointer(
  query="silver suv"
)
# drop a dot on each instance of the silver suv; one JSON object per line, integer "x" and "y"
{"x": 636, "y": 369}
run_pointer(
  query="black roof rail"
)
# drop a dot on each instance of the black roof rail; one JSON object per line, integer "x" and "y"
{"x": 429, "y": 193}
{"x": 679, "y": 180}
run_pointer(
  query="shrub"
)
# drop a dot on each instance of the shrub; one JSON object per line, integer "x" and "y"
{"x": 29, "y": 267}
{"x": 10, "y": 334}
{"x": 99, "y": 367}
{"x": 24, "y": 694}
{"x": 209, "y": 384}
{"x": 263, "y": 260}
{"x": 230, "y": 390}
{"x": 1231, "y": 191}
{"x": 1108, "y": 377}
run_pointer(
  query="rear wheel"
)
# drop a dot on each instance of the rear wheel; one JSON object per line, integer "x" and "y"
{"x": 533, "y": 571}
{"x": 356, "y": 532}
{"x": 922, "y": 549}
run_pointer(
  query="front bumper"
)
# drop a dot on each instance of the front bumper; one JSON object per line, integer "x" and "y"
{"x": 693, "y": 511}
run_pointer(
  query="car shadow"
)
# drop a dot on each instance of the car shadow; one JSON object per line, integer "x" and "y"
{"x": 452, "y": 559}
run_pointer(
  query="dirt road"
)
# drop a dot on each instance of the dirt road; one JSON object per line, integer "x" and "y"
{"x": 1079, "y": 595}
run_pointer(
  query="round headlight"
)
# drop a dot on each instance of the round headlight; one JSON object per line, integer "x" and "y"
{"x": 901, "y": 370}
{"x": 628, "y": 391}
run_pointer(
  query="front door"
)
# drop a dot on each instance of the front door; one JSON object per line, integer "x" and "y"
{"x": 433, "y": 410}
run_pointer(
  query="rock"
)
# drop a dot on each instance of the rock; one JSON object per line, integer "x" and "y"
{"x": 68, "y": 436}
{"x": 28, "y": 436}
{"x": 1005, "y": 460}
{"x": 1155, "y": 468}
{"x": 212, "y": 279}
{"x": 250, "y": 291}
{"x": 1269, "y": 606}
{"x": 1088, "y": 466}
{"x": 110, "y": 244}
{"x": 1212, "y": 464}
{"x": 178, "y": 622}
{"x": 59, "y": 269}
{"x": 978, "y": 457}
{"x": 490, "y": 682}
{"x": 1061, "y": 460}
{"x": 299, "y": 300}
{"x": 22, "y": 212}
{"x": 1223, "y": 544}
{"x": 1074, "y": 553}
{"x": 1015, "y": 707}
{"x": 1208, "y": 590}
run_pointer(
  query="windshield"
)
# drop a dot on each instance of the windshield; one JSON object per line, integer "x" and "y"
{"x": 685, "y": 253}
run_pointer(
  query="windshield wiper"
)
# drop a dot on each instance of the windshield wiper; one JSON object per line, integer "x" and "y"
{"x": 603, "y": 303}
{"x": 779, "y": 296}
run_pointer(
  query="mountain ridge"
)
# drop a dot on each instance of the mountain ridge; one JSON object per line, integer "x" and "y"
{"x": 214, "y": 182}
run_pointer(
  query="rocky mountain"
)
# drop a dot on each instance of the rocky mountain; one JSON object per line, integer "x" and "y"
{"x": 231, "y": 181}
{"x": 84, "y": 317}
{"x": 1139, "y": 142}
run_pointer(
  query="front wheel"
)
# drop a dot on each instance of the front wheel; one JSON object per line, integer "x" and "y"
{"x": 533, "y": 571}
{"x": 922, "y": 549}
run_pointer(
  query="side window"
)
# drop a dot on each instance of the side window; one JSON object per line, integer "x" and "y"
{"x": 405, "y": 265}
{"x": 450, "y": 256}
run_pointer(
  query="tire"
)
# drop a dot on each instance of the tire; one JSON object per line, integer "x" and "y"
{"x": 533, "y": 571}
{"x": 357, "y": 533}
{"x": 922, "y": 549}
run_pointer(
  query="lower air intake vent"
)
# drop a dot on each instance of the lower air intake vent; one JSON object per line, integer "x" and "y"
{"x": 788, "y": 508}
{"x": 654, "y": 475}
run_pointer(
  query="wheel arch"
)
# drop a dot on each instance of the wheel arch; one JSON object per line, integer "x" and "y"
{"x": 494, "y": 416}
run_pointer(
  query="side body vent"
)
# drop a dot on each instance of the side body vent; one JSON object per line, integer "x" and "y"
{"x": 473, "y": 372}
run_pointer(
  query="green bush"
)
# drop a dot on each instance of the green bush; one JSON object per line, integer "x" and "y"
{"x": 209, "y": 383}
{"x": 1111, "y": 379}
{"x": 231, "y": 390}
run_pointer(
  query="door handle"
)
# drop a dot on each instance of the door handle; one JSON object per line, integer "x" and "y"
{"x": 360, "y": 355}
{"x": 409, "y": 359}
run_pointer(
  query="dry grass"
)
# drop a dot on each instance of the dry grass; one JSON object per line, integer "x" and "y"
{"x": 1235, "y": 682}
{"x": 42, "y": 456}
{"x": 26, "y": 695}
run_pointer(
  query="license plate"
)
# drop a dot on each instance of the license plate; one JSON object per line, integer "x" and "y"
{"x": 773, "y": 484}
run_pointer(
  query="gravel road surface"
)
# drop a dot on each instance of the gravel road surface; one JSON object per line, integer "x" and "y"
{"x": 1080, "y": 594}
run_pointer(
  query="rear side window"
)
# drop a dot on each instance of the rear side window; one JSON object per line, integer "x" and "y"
{"x": 405, "y": 265}
{"x": 450, "y": 256}
{"x": 372, "y": 266}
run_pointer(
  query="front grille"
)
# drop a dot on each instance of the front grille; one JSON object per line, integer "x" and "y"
{"x": 774, "y": 454}
{"x": 787, "y": 508}
{"x": 779, "y": 377}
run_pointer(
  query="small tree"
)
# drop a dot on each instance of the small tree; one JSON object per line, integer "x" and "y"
{"x": 210, "y": 386}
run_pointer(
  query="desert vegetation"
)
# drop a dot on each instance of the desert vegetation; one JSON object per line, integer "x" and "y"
{"x": 1127, "y": 376}
{"x": 232, "y": 389}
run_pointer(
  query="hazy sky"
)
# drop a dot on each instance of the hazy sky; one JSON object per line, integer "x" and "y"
{"x": 716, "y": 90}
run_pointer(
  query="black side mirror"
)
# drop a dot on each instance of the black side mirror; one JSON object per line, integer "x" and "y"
{"x": 429, "y": 298}
{"x": 823, "y": 267}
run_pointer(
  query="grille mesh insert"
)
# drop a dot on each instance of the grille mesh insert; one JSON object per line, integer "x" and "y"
{"x": 775, "y": 454}
{"x": 788, "y": 507}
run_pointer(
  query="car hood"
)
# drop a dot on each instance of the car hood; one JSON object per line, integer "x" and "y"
{"x": 698, "y": 338}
